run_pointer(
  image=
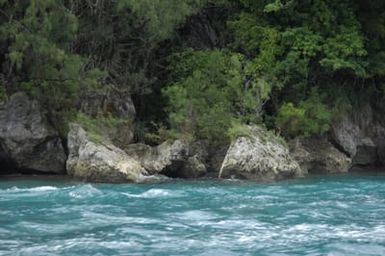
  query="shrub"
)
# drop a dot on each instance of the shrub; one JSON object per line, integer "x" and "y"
{"x": 212, "y": 90}
{"x": 310, "y": 117}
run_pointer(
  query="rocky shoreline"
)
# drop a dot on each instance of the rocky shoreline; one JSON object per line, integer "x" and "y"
{"x": 30, "y": 145}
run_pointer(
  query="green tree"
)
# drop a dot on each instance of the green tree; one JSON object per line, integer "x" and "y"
{"x": 36, "y": 39}
{"x": 213, "y": 90}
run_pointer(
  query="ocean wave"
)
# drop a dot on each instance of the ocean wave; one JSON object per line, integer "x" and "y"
{"x": 194, "y": 218}
{"x": 35, "y": 189}
{"x": 155, "y": 192}
{"x": 84, "y": 191}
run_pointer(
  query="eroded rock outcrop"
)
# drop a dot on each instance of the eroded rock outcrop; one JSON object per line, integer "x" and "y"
{"x": 100, "y": 161}
{"x": 26, "y": 138}
{"x": 318, "y": 155}
{"x": 361, "y": 135}
{"x": 260, "y": 156}
{"x": 176, "y": 159}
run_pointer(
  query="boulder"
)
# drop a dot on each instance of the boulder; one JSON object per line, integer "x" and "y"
{"x": 259, "y": 156}
{"x": 318, "y": 155}
{"x": 26, "y": 138}
{"x": 100, "y": 161}
{"x": 177, "y": 159}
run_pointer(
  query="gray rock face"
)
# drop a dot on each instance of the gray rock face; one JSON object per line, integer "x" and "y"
{"x": 317, "y": 155}
{"x": 27, "y": 139}
{"x": 100, "y": 162}
{"x": 259, "y": 157}
{"x": 366, "y": 152}
{"x": 361, "y": 135}
{"x": 171, "y": 158}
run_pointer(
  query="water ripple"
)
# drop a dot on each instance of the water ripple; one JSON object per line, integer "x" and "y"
{"x": 337, "y": 215}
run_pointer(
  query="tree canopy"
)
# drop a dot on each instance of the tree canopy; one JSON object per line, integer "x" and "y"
{"x": 199, "y": 66}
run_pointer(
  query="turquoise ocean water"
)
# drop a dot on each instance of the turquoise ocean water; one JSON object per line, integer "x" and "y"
{"x": 320, "y": 215}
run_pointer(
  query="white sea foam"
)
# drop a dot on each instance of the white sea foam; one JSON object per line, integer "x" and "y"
{"x": 85, "y": 191}
{"x": 35, "y": 189}
{"x": 206, "y": 218}
{"x": 153, "y": 193}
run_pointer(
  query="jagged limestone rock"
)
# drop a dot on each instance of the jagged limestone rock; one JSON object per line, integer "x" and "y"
{"x": 260, "y": 156}
{"x": 100, "y": 161}
{"x": 176, "y": 159}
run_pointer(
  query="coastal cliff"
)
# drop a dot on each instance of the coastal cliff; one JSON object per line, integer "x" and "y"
{"x": 30, "y": 145}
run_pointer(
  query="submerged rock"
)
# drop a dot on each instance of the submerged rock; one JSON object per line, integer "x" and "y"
{"x": 177, "y": 159}
{"x": 100, "y": 161}
{"x": 260, "y": 156}
{"x": 318, "y": 155}
{"x": 26, "y": 138}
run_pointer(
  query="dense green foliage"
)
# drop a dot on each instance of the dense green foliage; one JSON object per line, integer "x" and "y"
{"x": 198, "y": 67}
{"x": 210, "y": 93}
{"x": 311, "y": 116}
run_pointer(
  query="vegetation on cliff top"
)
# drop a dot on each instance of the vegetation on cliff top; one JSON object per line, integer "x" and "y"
{"x": 198, "y": 67}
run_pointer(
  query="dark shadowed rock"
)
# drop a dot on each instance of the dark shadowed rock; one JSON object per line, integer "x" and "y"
{"x": 216, "y": 155}
{"x": 361, "y": 135}
{"x": 366, "y": 153}
{"x": 192, "y": 168}
{"x": 200, "y": 33}
{"x": 27, "y": 139}
{"x": 177, "y": 159}
{"x": 318, "y": 155}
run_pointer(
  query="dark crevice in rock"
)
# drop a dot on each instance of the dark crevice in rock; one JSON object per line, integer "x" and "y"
{"x": 35, "y": 172}
{"x": 7, "y": 166}
{"x": 365, "y": 169}
{"x": 318, "y": 167}
{"x": 339, "y": 147}
{"x": 174, "y": 170}
{"x": 64, "y": 143}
